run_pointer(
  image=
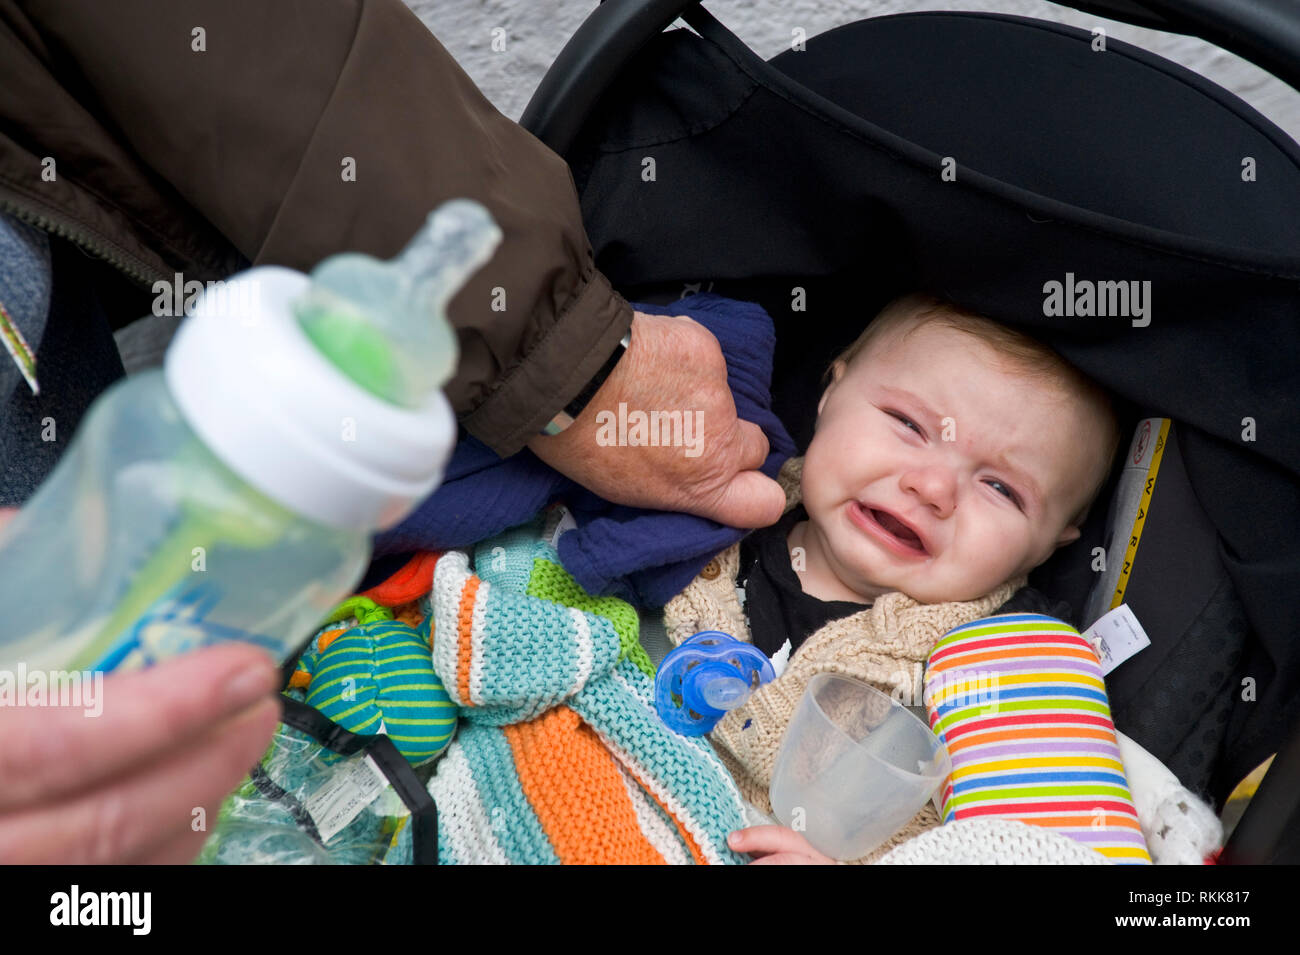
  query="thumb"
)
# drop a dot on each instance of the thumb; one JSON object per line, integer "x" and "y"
{"x": 751, "y": 444}
{"x": 750, "y": 499}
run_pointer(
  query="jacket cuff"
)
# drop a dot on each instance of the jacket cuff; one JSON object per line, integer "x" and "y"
{"x": 581, "y": 340}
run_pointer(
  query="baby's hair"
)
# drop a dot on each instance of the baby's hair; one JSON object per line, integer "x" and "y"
{"x": 907, "y": 313}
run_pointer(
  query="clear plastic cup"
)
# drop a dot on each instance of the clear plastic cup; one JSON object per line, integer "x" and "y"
{"x": 854, "y": 767}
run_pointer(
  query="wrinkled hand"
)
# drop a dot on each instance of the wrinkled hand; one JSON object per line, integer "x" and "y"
{"x": 673, "y": 364}
{"x": 123, "y": 786}
{"x": 776, "y": 845}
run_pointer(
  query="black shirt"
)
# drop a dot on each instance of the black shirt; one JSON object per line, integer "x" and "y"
{"x": 777, "y": 608}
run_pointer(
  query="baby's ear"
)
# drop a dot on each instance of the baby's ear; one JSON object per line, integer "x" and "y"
{"x": 836, "y": 372}
{"x": 1069, "y": 535}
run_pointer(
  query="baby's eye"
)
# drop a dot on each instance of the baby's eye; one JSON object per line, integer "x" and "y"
{"x": 1005, "y": 491}
{"x": 906, "y": 421}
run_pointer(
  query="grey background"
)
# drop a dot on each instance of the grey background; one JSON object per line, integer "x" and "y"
{"x": 536, "y": 30}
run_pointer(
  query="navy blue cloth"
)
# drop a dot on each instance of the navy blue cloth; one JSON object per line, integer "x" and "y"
{"x": 643, "y": 556}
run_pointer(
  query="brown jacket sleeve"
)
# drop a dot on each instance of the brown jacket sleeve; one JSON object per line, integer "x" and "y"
{"x": 254, "y": 133}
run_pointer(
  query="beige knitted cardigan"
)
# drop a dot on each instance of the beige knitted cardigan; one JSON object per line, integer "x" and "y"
{"x": 885, "y": 645}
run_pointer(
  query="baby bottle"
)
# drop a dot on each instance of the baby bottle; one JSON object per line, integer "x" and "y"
{"x": 232, "y": 494}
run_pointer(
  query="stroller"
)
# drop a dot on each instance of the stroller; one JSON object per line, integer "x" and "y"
{"x": 981, "y": 157}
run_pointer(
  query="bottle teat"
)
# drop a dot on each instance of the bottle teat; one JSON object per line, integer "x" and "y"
{"x": 384, "y": 324}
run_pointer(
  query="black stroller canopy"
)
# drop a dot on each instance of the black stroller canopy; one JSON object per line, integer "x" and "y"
{"x": 825, "y": 169}
{"x": 769, "y": 170}
{"x": 1046, "y": 111}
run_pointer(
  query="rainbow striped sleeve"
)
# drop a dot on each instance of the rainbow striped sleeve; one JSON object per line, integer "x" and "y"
{"x": 1019, "y": 701}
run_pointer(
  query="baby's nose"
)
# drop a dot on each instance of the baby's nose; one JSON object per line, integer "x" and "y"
{"x": 935, "y": 486}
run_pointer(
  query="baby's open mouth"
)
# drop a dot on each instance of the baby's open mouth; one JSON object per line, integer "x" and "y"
{"x": 890, "y": 531}
{"x": 896, "y": 527}
{"x": 893, "y": 531}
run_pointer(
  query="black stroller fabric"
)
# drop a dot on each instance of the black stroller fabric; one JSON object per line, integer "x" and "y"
{"x": 1178, "y": 696}
{"x": 824, "y": 171}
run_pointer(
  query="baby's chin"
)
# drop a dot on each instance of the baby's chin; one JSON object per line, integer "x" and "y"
{"x": 858, "y": 588}
{"x": 843, "y": 584}
{"x": 941, "y": 594}
{"x": 918, "y": 588}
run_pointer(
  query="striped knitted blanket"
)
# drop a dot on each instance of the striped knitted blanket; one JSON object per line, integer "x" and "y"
{"x": 560, "y": 756}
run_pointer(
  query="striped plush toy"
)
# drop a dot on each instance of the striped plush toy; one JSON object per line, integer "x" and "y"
{"x": 560, "y": 757}
{"x": 376, "y": 676}
{"x": 1020, "y": 703}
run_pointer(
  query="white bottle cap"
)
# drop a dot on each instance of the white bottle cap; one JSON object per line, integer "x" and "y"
{"x": 263, "y": 399}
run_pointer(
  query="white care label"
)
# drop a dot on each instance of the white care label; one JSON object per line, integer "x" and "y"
{"x": 566, "y": 524}
{"x": 341, "y": 800}
{"x": 781, "y": 658}
{"x": 1116, "y": 636}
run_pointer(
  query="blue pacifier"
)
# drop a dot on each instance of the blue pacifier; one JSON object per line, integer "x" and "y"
{"x": 709, "y": 674}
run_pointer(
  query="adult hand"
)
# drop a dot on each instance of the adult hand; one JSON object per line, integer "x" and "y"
{"x": 776, "y": 845}
{"x": 673, "y": 364}
{"x": 124, "y": 786}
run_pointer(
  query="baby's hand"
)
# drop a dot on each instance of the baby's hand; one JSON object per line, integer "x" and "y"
{"x": 776, "y": 845}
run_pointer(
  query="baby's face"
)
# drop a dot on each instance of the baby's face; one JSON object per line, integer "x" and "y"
{"x": 940, "y": 470}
